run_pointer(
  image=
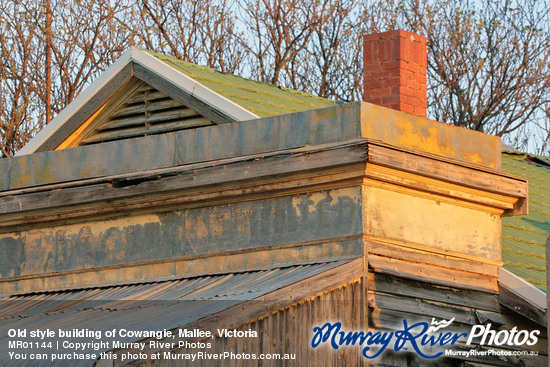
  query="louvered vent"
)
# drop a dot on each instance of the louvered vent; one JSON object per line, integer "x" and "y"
{"x": 146, "y": 112}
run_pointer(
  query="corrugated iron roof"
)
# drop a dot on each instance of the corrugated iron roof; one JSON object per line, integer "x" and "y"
{"x": 263, "y": 99}
{"x": 524, "y": 237}
{"x": 156, "y": 305}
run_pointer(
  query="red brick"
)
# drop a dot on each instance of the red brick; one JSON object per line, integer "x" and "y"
{"x": 406, "y": 91}
{"x": 394, "y": 64}
{"x": 392, "y": 82}
{"x": 420, "y": 94}
{"x": 413, "y": 101}
{"x": 411, "y": 83}
{"x": 372, "y": 37}
{"x": 405, "y": 50}
{"x": 421, "y": 77}
{"x": 406, "y": 74}
{"x": 394, "y": 70}
{"x": 407, "y": 108}
{"x": 395, "y": 49}
{"x": 372, "y": 84}
{"x": 373, "y": 68}
{"x": 387, "y": 100}
{"x": 420, "y": 111}
{"x": 367, "y": 54}
{"x": 382, "y": 51}
{"x": 381, "y": 92}
{"x": 387, "y": 50}
{"x": 376, "y": 100}
{"x": 418, "y": 53}
{"x": 395, "y": 106}
{"x": 415, "y": 68}
{"x": 380, "y": 75}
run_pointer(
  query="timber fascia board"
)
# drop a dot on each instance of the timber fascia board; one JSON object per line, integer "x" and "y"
{"x": 269, "y": 174}
{"x": 448, "y": 177}
{"x": 522, "y": 297}
{"x": 134, "y": 62}
{"x": 191, "y": 86}
{"x": 43, "y": 136}
{"x": 522, "y": 289}
{"x": 282, "y": 172}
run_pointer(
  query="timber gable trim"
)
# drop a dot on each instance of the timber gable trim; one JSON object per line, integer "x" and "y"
{"x": 134, "y": 64}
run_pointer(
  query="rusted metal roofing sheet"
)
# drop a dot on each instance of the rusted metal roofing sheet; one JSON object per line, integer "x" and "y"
{"x": 156, "y": 305}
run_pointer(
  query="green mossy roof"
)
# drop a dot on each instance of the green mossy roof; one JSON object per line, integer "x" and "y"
{"x": 524, "y": 237}
{"x": 262, "y": 99}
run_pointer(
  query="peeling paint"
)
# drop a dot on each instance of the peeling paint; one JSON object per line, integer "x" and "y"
{"x": 305, "y": 204}
{"x": 413, "y": 132}
{"x": 208, "y": 230}
{"x": 429, "y": 223}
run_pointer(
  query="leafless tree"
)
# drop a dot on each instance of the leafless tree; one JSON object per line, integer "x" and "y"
{"x": 19, "y": 69}
{"x": 334, "y": 69}
{"x": 488, "y": 64}
{"x": 334, "y": 49}
{"x": 277, "y": 36}
{"x": 82, "y": 38}
{"x": 198, "y": 31}
{"x": 85, "y": 40}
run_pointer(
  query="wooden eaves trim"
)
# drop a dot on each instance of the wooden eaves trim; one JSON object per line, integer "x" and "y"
{"x": 522, "y": 297}
{"x": 80, "y": 109}
{"x": 329, "y": 165}
{"x": 146, "y": 67}
{"x": 281, "y": 172}
{"x": 458, "y": 174}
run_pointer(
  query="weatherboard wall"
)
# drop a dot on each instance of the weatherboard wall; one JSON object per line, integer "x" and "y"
{"x": 325, "y": 224}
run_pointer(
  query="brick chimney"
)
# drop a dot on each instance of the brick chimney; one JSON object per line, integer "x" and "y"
{"x": 394, "y": 71}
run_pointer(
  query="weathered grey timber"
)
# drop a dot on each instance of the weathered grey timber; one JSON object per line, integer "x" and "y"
{"x": 261, "y": 223}
{"x": 91, "y": 106}
{"x": 187, "y": 177}
{"x": 332, "y": 124}
{"x": 184, "y": 147}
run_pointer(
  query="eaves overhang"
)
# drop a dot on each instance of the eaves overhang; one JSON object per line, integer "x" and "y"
{"x": 521, "y": 296}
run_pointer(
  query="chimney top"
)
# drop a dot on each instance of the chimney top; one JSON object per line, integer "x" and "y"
{"x": 394, "y": 71}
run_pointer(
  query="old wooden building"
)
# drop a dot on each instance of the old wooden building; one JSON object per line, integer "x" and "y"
{"x": 168, "y": 196}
